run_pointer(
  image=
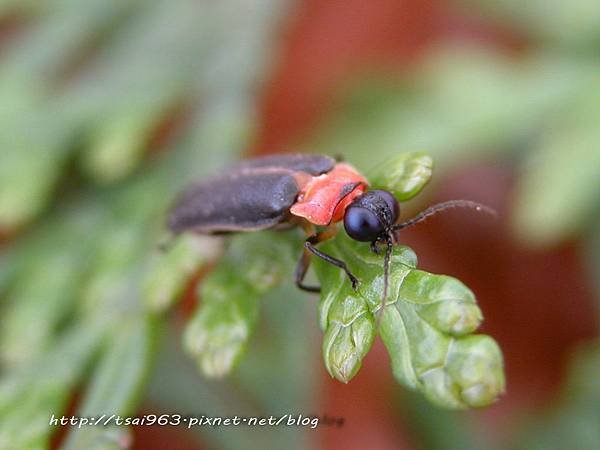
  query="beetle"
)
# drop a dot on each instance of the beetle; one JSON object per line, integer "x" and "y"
{"x": 307, "y": 190}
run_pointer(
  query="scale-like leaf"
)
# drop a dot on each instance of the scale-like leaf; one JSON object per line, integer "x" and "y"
{"x": 30, "y": 395}
{"x": 425, "y": 326}
{"x": 404, "y": 175}
{"x": 115, "y": 386}
{"x": 218, "y": 332}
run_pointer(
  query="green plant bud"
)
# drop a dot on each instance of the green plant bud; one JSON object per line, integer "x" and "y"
{"x": 218, "y": 333}
{"x": 475, "y": 367}
{"x": 116, "y": 148}
{"x": 455, "y": 317}
{"x": 404, "y": 175}
{"x": 348, "y": 337}
{"x": 443, "y": 301}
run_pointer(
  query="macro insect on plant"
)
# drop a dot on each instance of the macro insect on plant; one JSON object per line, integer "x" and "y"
{"x": 303, "y": 190}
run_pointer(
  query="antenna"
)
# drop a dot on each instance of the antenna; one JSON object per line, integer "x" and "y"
{"x": 432, "y": 210}
{"x": 386, "y": 275}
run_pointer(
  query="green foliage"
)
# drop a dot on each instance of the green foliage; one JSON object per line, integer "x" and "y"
{"x": 426, "y": 323}
{"x": 218, "y": 332}
{"x": 30, "y": 395}
{"x": 564, "y": 24}
{"x": 558, "y": 192}
{"x": 86, "y": 86}
{"x": 168, "y": 273}
{"x": 116, "y": 385}
{"x": 405, "y": 175}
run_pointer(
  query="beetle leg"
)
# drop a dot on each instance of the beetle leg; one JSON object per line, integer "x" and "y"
{"x": 304, "y": 261}
{"x": 310, "y": 246}
{"x": 301, "y": 270}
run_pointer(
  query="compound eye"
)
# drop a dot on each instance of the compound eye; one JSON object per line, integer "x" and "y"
{"x": 362, "y": 224}
{"x": 391, "y": 202}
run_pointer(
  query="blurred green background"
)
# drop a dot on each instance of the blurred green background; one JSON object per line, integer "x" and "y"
{"x": 109, "y": 107}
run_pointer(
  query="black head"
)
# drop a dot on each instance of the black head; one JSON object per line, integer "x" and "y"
{"x": 371, "y": 216}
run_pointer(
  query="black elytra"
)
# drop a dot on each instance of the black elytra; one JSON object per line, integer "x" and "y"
{"x": 253, "y": 195}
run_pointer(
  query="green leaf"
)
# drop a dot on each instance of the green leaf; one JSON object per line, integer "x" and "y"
{"x": 68, "y": 28}
{"x": 37, "y": 306}
{"x": 72, "y": 73}
{"x": 349, "y": 332}
{"x": 117, "y": 144}
{"x": 30, "y": 395}
{"x": 404, "y": 175}
{"x": 444, "y": 302}
{"x": 568, "y": 24}
{"x": 425, "y": 326}
{"x": 168, "y": 273}
{"x": 116, "y": 384}
{"x": 49, "y": 274}
{"x": 217, "y": 334}
{"x": 110, "y": 285}
{"x": 33, "y": 157}
{"x": 557, "y": 193}
{"x": 278, "y": 374}
{"x": 36, "y": 132}
{"x": 427, "y": 321}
